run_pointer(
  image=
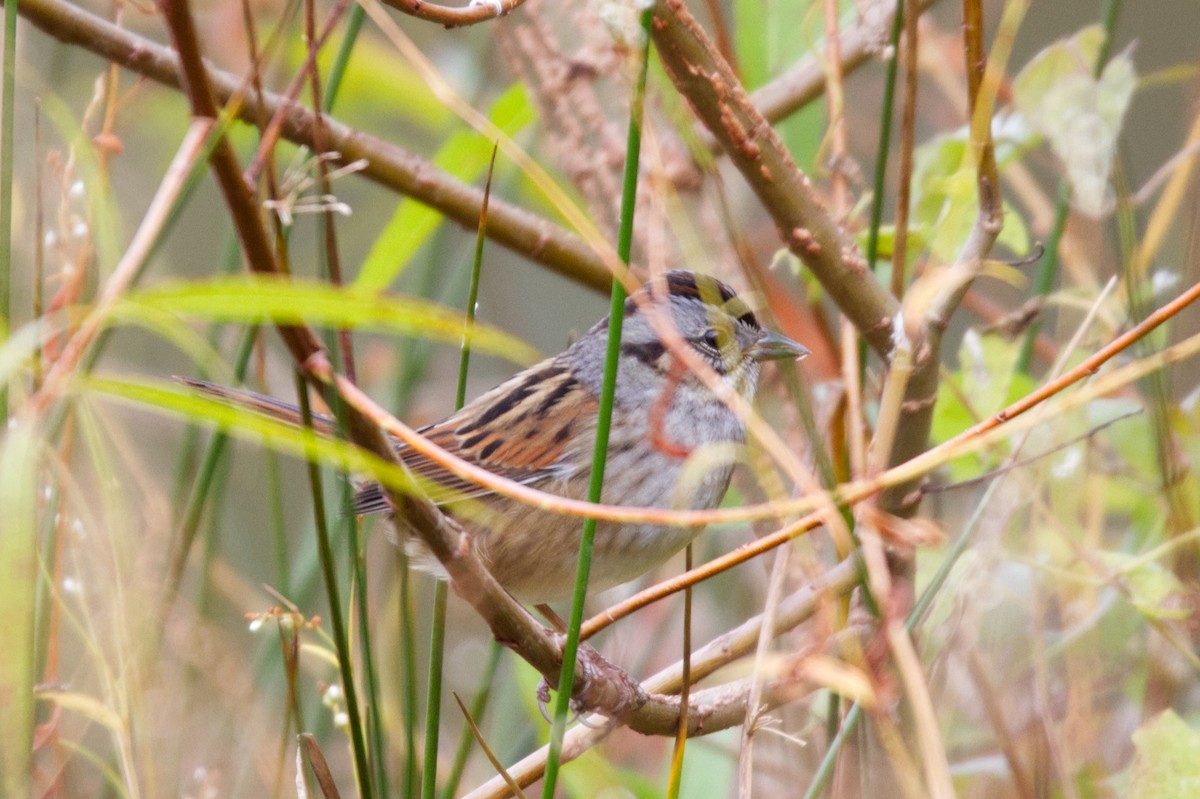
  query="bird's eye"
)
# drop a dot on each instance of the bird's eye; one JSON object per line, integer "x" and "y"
{"x": 713, "y": 339}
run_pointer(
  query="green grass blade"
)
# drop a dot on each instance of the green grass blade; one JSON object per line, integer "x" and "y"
{"x": 250, "y": 299}
{"x": 437, "y": 643}
{"x": 607, "y": 392}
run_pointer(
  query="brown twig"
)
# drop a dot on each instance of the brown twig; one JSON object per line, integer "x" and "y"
{"x": 391, "y": 166}
{"x": 473, "y": 13}
{"x": 924, "y": 337}
{"x": 269, "y": 136}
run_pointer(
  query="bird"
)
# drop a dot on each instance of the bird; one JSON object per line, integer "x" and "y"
{"x": 539, "y": 428}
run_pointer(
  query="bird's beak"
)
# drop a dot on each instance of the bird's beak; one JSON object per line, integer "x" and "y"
{"x": 774, "y": 346}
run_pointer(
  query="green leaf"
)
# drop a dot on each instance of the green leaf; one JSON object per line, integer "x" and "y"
{"x": 250, "y": 425}
{"x": 465, "y": 155}
{"x": 985, "y": 382}
{"x": 250, "y": 299}
{"x": 1149, "y": 585}
{"x": 1079, "y": 114}
{"x": 944, "y": 203}
{"x": 1166, "y": 763}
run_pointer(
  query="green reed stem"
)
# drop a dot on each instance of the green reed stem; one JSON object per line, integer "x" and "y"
{"x": 433, "y": 694}
{"x": 885, "y": 135}
{"x": 337, "y": 70}
{"x": 408, "y": 674}
{"x": 413, "y": 363}
{"x": 341, "y": 640}
{"x": 607, "y": 392}
{"x": 437, "y": 642}
{"x": 479, "y": 702}
{"x": 358, "y": 564}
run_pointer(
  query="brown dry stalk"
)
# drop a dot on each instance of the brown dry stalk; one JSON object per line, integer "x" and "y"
{"x": 720, "y": 651}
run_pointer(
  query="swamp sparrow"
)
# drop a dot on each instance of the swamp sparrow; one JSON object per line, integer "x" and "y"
{"x": 539, "y": 428}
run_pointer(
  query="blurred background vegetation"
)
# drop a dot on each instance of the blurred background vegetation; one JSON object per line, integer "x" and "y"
{"x": 1062, "y": 634}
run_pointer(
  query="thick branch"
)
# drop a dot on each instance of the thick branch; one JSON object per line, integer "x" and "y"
{"x": 703, "y": 77}
{"x": 389, "y": 165}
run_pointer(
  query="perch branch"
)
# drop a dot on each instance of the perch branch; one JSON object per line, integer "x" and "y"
{"x": 600, "y": 685}
{"x": 721, "y": 651}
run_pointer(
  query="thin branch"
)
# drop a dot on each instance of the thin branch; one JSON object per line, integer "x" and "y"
{"x": 393, "y": 167}
{"x": 472, "y": 13}
{"x": 920, "y": 387}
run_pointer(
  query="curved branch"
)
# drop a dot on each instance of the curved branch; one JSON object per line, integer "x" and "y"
{"x": 471, "y": 14}
{"x": 388, "y": 165}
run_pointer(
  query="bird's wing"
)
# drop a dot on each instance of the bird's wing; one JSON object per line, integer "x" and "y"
{"x": 519, "y": 430}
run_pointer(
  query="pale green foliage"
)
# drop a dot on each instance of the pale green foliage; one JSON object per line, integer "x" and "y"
{"x": 1078, "y": 113}
{"x": 944, "y": 199}
{"x": 1167, "y": 763}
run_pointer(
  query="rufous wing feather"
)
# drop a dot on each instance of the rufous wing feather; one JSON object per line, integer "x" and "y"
{"x": 519, "y": 430}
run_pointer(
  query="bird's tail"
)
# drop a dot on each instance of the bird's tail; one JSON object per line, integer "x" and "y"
{"x": 267, "y": 406}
